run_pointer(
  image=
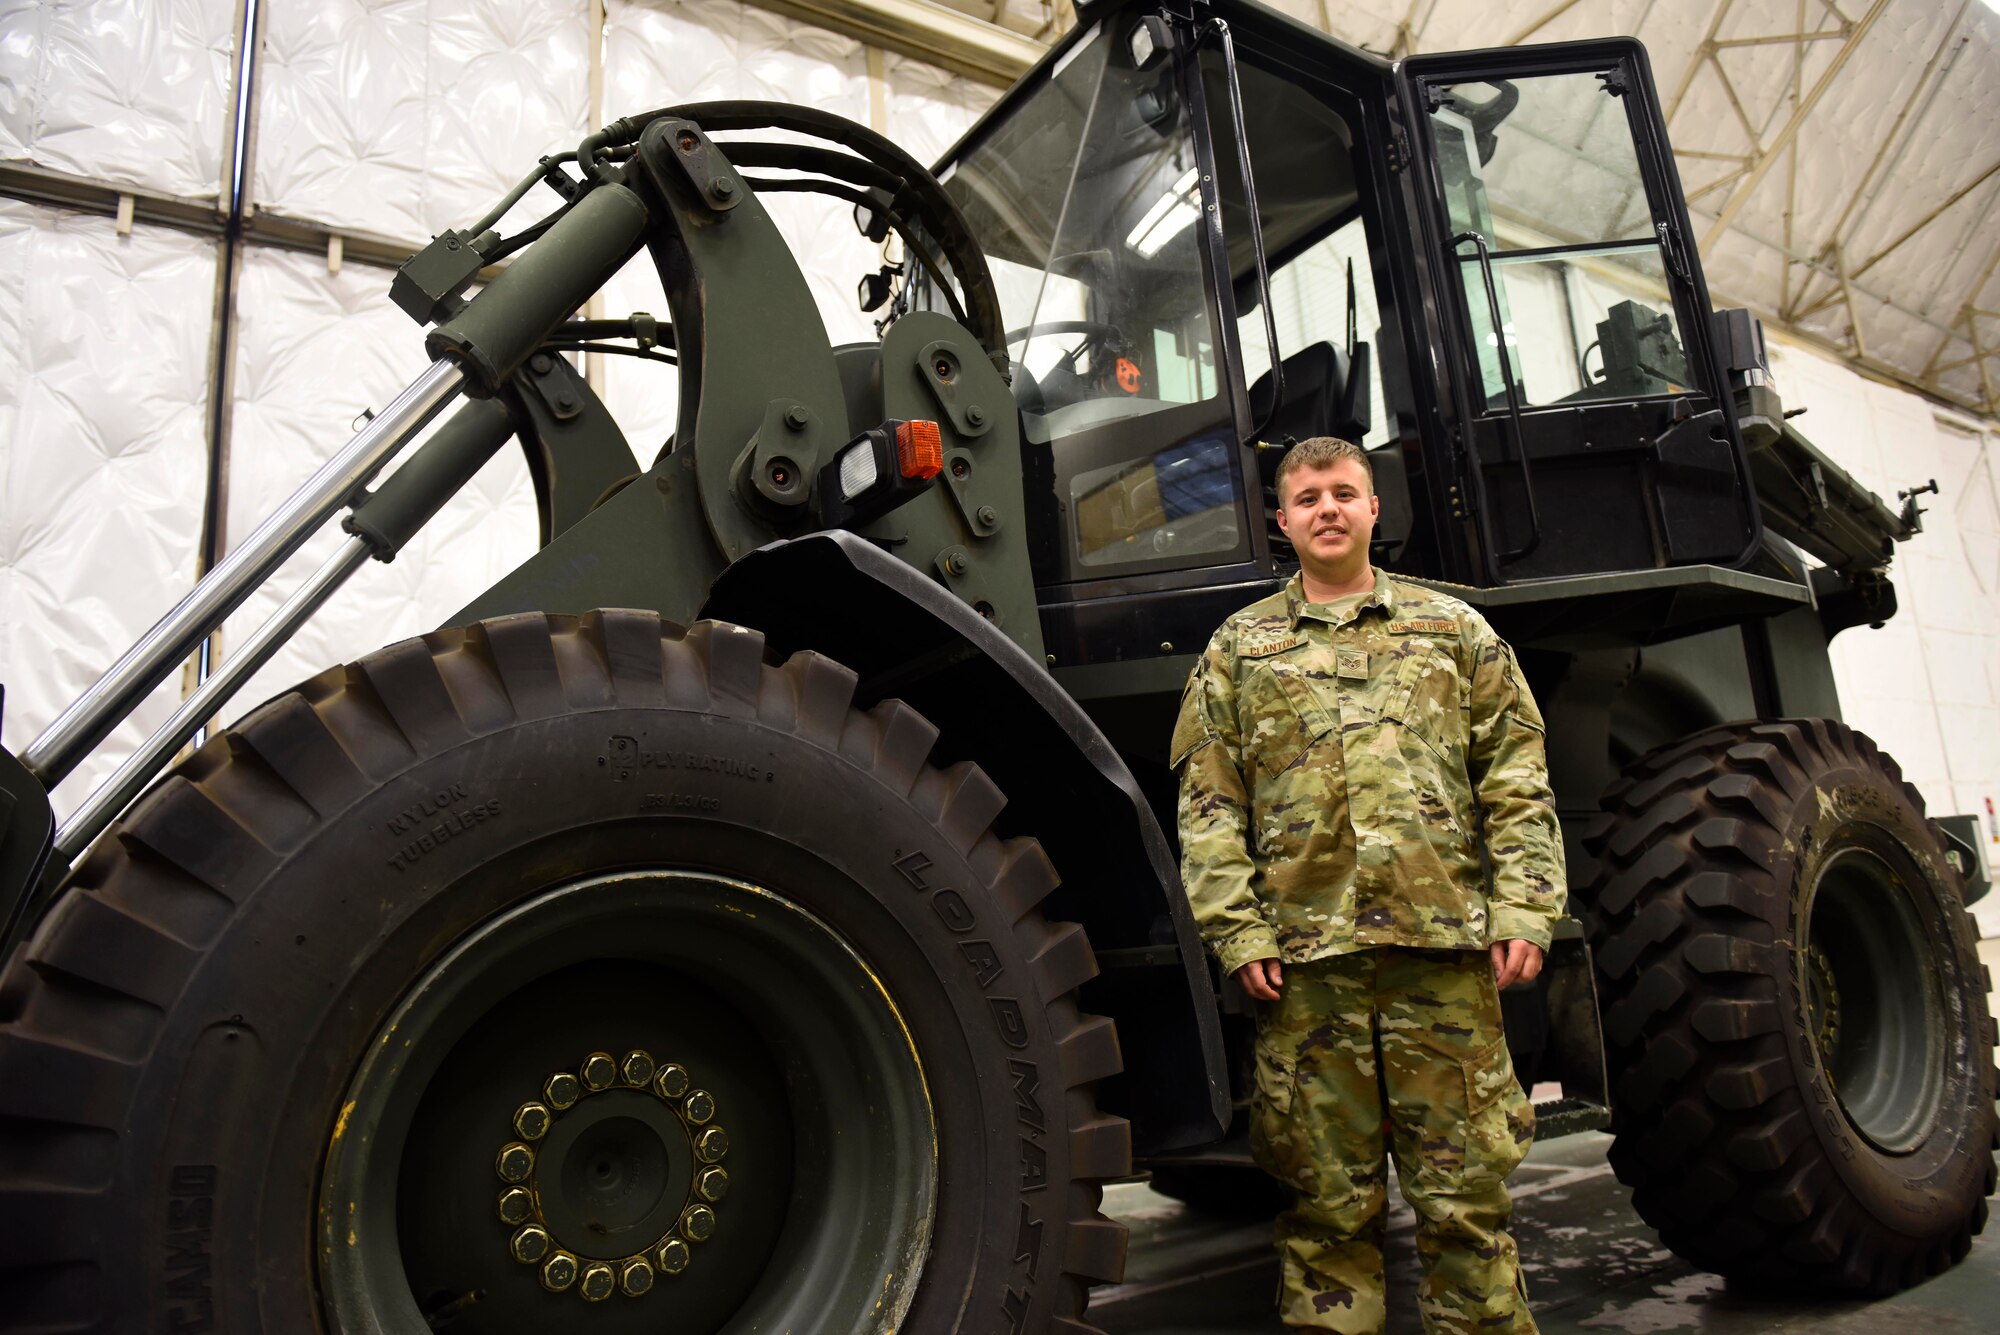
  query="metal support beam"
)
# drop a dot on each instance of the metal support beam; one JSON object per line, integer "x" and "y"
{"x": 1768, "y": 157}
{"x": 1702, "y": 52}
{"x": 1911, "y": 231}
{"x": 1853, "y": 311}
{"x": 1868, "y": 188}
{"x": 930, "y": 32}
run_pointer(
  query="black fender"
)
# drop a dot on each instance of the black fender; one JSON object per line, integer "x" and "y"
{"x": 995, "y": 705}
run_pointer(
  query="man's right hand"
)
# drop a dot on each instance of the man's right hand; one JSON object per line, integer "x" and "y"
{"x": 1261, "y": 979}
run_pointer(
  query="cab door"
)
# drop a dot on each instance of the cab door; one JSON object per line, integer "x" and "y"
{"x": 1594, "y": 428}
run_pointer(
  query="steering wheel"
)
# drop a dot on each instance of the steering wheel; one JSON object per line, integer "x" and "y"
{"x": 1063, "y": 384}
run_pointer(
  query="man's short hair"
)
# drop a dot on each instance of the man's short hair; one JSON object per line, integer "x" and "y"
{"x": 1320, "y": 452}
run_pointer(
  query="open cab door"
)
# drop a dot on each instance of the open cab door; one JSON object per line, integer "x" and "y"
{"x": 1594, "y": 425}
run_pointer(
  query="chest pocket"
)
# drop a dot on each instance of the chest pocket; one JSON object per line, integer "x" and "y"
{"x": 1425, "y": 696}
{"x": 1283, "y": 713}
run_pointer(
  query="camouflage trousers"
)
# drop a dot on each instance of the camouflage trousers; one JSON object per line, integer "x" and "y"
{"x": 1408, "y": 1042}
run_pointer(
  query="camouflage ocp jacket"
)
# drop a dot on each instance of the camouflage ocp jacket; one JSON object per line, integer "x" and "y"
{"x": 1337, "y": 767}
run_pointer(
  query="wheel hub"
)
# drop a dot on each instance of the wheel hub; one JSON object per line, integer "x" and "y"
{"x": 1823, "y": 1006}
{"x": 484, "y": 1155}
{"x": 1873, "y": 1007}
{"x": 615, "y": 1177}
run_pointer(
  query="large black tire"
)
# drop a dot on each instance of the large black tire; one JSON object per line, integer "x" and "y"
{"x": 1795, "y": 1015}
{"x": 223, "y": 1103}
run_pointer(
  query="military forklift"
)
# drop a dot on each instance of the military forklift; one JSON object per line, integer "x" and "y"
{"x": 759, "y": 911}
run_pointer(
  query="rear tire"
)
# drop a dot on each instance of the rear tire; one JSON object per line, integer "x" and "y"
{"x": 1821, "y": 1115}
{"x": 259, "y": 1064}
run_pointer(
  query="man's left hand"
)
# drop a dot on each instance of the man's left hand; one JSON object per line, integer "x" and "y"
{"x": 1516, "y": 962}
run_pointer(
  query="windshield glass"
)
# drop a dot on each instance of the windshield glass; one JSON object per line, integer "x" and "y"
{"x": 1544, "y": 171}
{"x": 1086, "y": 200}
{"x": 1088, "y": 203}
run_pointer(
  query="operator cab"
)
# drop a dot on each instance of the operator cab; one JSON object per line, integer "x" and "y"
{"x": 1473, "y": 265}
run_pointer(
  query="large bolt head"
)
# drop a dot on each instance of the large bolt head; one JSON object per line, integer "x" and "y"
{"x": 698, "y": 1107}
{"x": 712, "y": 1144}
{"x": 598, "y": 1071}
{"x": 516, "y": 1205}
{"x": 697, "y": 1223}
{"x": 672, "y": 1256}
{"x": 671, "y": 1081}
{"x": 558, "y": 1272}
{"x": 713, "y": 1184}
{"x": 637, "y": 1068}
{"x": 514, "y": 1162}
{"x": 597, "y": 1282}
{"x": 561, "y": 1090}
{"x": 635, "y": 1277}
{"x": 529, "y": 1244}
{"x": 531, "y": 1121}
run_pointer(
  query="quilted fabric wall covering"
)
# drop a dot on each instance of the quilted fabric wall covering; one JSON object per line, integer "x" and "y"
{"x": 103, "y": 398}
{"x": 407, "y": 117}
{"x": 130, "y": 91}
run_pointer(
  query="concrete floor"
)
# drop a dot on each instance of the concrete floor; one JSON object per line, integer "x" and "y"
{"x": 1592, "y": 1267}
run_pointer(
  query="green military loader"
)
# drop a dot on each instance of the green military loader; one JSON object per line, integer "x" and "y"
{"x": 758, "y": 911}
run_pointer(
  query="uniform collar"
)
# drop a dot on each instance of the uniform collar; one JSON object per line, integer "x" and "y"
{"x": 1296, "y": 605}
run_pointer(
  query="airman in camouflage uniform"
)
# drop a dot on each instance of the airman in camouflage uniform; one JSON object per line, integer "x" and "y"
{"x": 1341, "y": 757}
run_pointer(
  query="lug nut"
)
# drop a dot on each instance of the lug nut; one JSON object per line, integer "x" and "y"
{"x": 698, "y": 1107}
{"x": 672, "y": 1256}
{"x": 987, "y": 515}
{"x": 516, "y": 1205}
{"x": 598, "y": 1071}
{"x": 531, "y": 1120}
{"x": 561, "y": 1090}
{"x": 795, "y": 418}
{"x": 712, "y": 1144}
{"x": 514, "y": 1162}
{"x": 637, "y": 1068}
{"x": 697, "y": 1223}
{"x": 713, "y": 1184}
{"x": 724, "y": 188}
{"x": 530, "y": 1244}
{"x": 672, "y": 1081}
{"x": 597, "y": 1282}
{"x": 558, "y": 1272}
{"x": 975, "y": 415}
{"x": 635, "y": 1277}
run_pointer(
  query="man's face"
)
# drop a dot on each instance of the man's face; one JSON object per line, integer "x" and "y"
{"x": 1328, "y": 514}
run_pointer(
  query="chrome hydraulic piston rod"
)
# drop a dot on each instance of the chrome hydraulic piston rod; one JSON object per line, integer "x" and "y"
{"x": 149, "y": 662}
{"x": 111, "y": 797}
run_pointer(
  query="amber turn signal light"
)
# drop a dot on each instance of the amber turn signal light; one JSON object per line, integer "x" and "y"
{"x": 919, "y": 449}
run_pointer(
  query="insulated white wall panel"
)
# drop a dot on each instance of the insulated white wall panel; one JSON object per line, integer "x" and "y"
{"x": 930, "y": 108}
{"x": 103, "y": 411}
{"x": 316, "y": 350}
{"x": 1926, "y": 686}
{"x": 409, "y": 117}
{"x": 663, "y": 52}
{"x": 131, "y": 91}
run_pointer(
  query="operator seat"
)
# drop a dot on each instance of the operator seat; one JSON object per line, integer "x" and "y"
{"x": 1318, "y": 402}
{"x": 1315, "y": 392}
